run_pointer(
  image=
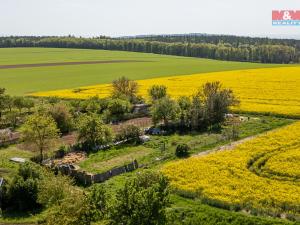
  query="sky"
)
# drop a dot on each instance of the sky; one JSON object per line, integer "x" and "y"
{"x": 135, "y": 17}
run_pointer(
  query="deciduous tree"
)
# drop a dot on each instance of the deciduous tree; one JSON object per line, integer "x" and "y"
{"x": 41, "y": 131}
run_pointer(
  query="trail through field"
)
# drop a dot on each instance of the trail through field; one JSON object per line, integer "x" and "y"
{"x": 68, "y": 63}
{"x": 226, "y": 147}
{"x": 232, "y": 145}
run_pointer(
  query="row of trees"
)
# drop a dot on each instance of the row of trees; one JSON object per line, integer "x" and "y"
{"x": 12, "y": 107}
{"x": 235, "y": 41}
{"x": 265, "y": 52}
{"x": 206, "y": 109}
{"x": 89, "y": 118}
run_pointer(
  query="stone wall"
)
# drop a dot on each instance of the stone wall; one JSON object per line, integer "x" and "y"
{"x": 87, "y": 179}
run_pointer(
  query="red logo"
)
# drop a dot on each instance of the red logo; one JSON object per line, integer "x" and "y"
{"x": 286, "y": 15}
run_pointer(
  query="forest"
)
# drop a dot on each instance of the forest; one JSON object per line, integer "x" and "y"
{"x": 229, "y": 48}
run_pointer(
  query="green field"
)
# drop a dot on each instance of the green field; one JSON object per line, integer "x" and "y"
{"x": 27, "y": 80}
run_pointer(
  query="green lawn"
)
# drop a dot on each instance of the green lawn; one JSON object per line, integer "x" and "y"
{"x": 8, "y": 168}
{"x": 27, "y": 80}
{"x": 103, "y": 161}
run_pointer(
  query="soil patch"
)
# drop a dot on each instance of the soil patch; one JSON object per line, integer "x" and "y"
{"x": 15, "y": 66}
{"x": 142, "y": 122}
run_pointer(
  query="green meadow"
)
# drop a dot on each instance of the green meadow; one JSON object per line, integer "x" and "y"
{"x": 20, "y": 81}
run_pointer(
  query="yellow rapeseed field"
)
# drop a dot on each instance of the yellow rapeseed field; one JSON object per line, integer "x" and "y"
{"x": 262, "y": 174}
{"x": 271, "y": 90}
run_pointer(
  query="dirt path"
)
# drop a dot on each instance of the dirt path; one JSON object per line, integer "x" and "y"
{"x": 229, "y": 146}
{"x": 68, "y": 63}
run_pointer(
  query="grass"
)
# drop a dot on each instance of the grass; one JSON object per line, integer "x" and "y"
{"x": 105, "y": 160}
{"x": 8, "y": 168}
{"x": 22, "y": 218}
{"x": 152, "y": 154}
{"x": 27, "y": 80}
{"x": 190, "y": 211}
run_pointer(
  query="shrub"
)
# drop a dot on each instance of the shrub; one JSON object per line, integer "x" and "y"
{"x": 30, "y": 170}
{"x": 93, "y": 132}
{"x": 72, "y": 210}
{"x": 52, "y": 191}
{"x": 130, "y": 132}
{"x": 123, "y": 87}
{"x": 182, "y": 150}
{"x": 98, "y": 202}
{"x": 62, "y": 116}
{"x": 117, "y": 109}
{"x": 164, "y": 109}
{"x": 157, "y": 92}
{"x": 142, "y": 200}
{"x": 21, "y": 192}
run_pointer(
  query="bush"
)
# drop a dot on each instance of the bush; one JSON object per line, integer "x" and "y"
{"x": 117, "y": 109}
{"x": 98, "y": 202}
{"x": 182, "y": 150}
{"x": 72, "y": 210}
{"x": 142, "y": 200}
{"x": 92, "y": 132}
{"x": 21, "y": 192}
{"x": 78, "y": 207}
{"x": 130, "y": 132}
{"x": 52, "y": 191}
{"x": 30, "y": 170}
{"x": 157, "y": 92}
{"x": 123, "y": 87}
{"x": 62, "y": 116}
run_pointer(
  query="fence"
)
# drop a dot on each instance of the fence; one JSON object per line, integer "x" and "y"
{"x": 86, "y": 178}
{"x": 7, "y": 137}
{"x": 1, "y": 184}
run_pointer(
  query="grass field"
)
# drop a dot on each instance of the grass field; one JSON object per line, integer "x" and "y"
{"x": 8, "y": 168}
{"x": 245, "y": 178}
{"x": 27, "y": 80}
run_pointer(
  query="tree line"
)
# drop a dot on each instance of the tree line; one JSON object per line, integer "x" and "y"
{"x": 259, "y": 51}
{"x": 215, "y": 39}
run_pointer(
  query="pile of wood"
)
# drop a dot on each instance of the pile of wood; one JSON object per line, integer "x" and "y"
{"x": 71, "y": 158}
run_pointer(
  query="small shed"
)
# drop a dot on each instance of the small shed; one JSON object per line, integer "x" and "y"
{"x": 141, "y": 109}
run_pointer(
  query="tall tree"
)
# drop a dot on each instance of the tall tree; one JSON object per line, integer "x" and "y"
{"x": 142, "y": 200}
{"x": 157, "y": 92}
{"x": 5, "y": 101}
{"x": 164, "y": 109}
{"x": 123, "y": 87}
{"x": 62, "y": 116}
{"x": 41, "y": 131}
{"x": 217, "y": 101}
{"x": 93, "y": 132}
